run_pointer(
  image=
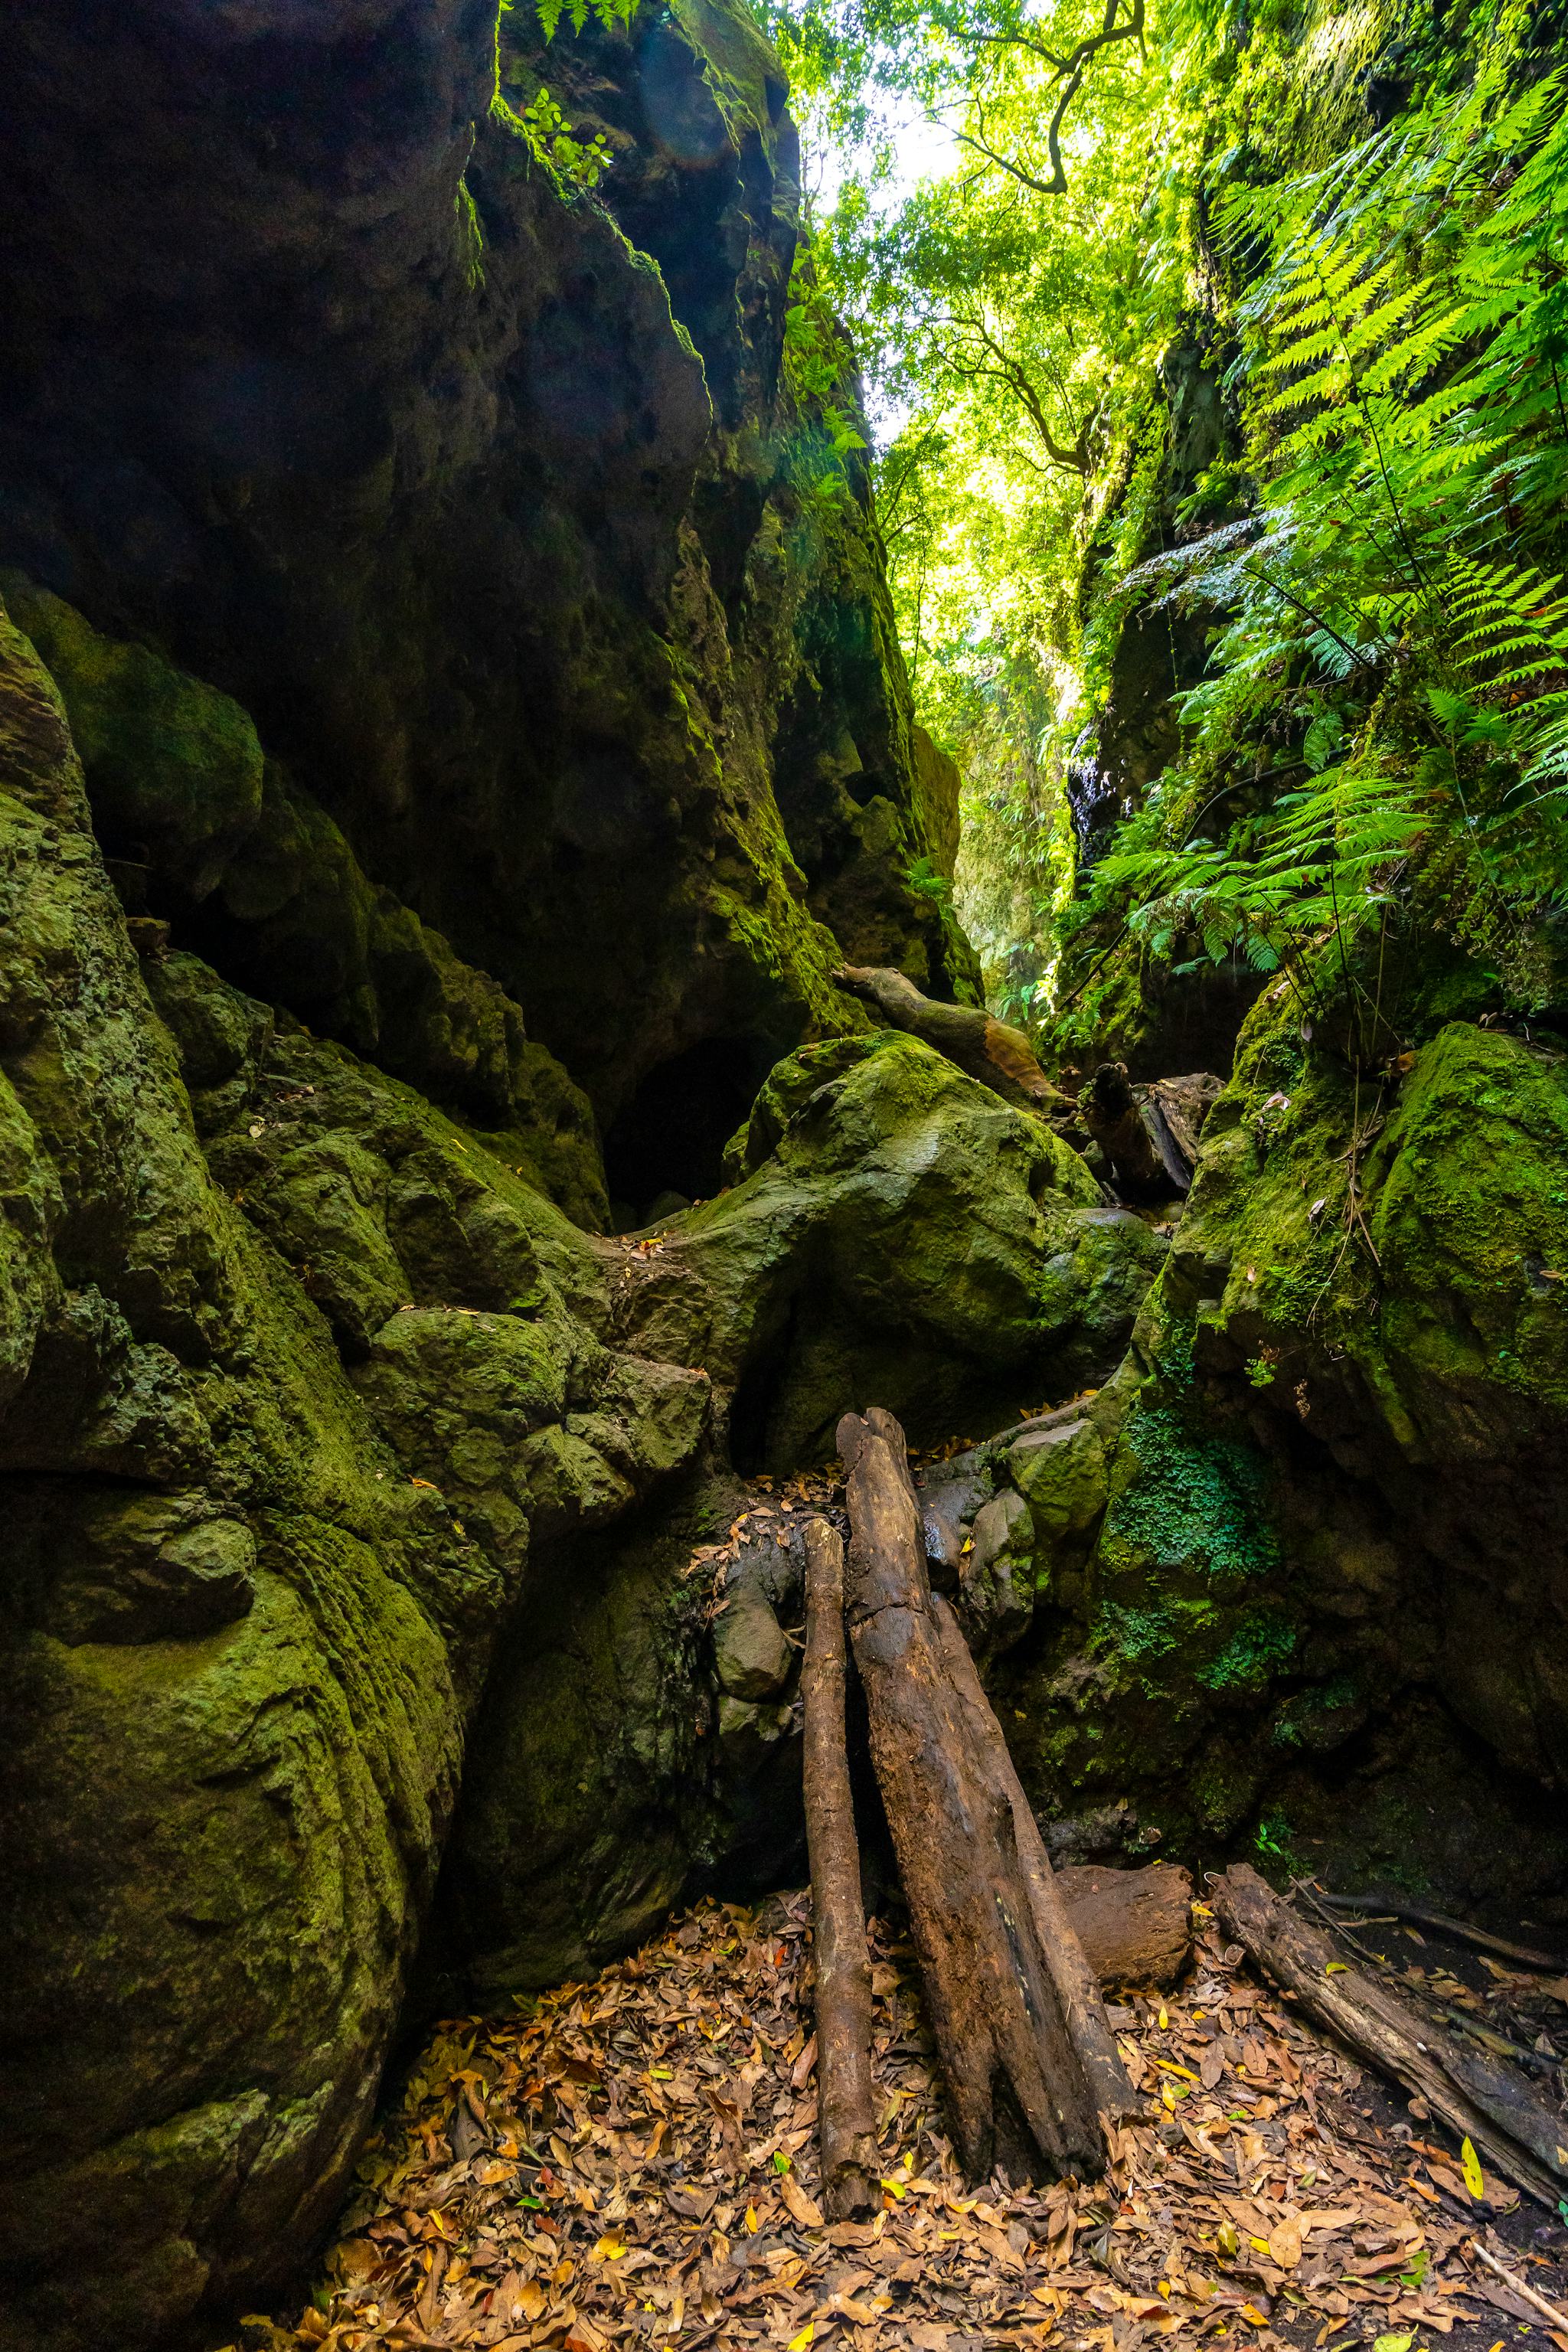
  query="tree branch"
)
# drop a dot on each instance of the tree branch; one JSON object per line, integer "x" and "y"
{"x": 1069, "y": 72}
{"x": 1008, "y": 370}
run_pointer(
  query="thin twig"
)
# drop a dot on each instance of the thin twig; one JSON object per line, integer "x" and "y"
{"x": 1548, "y": 2310}
{"x": 1419, "y": 1917}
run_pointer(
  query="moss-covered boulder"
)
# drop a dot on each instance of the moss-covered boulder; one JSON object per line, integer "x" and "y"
{"x": 283, "y": 1403}
{"x": 1329, "y": 1565}
{"x": 588, "y": 1801}
{"x": 908, "y": 1239}
{"x": 232, "y": 1734}
{"x": 202, "y": 831}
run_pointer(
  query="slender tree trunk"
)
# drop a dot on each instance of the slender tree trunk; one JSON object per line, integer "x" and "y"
{"x": 845, "y": 2117}
{"x": 1016, "y": 2083}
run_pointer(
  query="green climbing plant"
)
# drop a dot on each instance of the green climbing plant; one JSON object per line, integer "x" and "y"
{"x": 816, "y": 367}
{"x": 580, "y": 162}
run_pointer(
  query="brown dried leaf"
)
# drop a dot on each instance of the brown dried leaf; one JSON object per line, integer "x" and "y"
{"x": 801, "y": 2208}
{"x": 1285, "y": 2243}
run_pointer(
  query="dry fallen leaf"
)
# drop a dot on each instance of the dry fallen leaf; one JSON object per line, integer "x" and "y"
{"x": 1285, "y": 2243}
{"x": 596, "y": 2172}
{"x": 803, "y": 2209}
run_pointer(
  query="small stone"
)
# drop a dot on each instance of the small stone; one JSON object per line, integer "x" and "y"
{"x": 1062, "y": 1473}
{"x": 1003, "y": 1524}
{"x": 751, "y": 1655}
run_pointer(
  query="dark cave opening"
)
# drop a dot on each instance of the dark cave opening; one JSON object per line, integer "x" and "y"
{"x": 756, "y": 1395}
{"x": 670, "y": 1136}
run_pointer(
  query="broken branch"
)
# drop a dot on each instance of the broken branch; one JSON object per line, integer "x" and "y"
{"x": 845, "y": 2121}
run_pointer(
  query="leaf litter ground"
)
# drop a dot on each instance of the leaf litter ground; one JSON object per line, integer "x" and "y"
{"x": 633, "y": 2162}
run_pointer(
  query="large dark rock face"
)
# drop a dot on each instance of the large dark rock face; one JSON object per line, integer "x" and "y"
{"x": 317, "y": 1421}
{"x": 317, "y": 378}
{"x": 448, "y": 737}
{"x": 1297, "y": 1577}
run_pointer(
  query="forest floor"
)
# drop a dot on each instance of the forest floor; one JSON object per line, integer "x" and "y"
{"x": 634, "y": 2162}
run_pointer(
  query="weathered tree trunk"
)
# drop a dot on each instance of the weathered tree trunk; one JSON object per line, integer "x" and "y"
{"x": 1144, "y": 1159}
{"x": 1000, "y": 1057}
{"x": 1477, "y": 2096}
{"x": 1076, "y": 1985}
{"x": 1014, "y": 2074}
{"x": 1149, "y": 1133}
{"x": 846, "y": 2119}
{"x": 1135, "y": 1925}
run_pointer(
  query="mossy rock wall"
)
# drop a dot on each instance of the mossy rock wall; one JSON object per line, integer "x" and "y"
{"x": 233, "y": 1727}
{"x": 1325, "y": 1609}
{"x": 333, "y": 1453}
{"x": 561, "y": 711}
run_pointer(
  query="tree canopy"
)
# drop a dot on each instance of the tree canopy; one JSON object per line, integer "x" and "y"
{"x": 1348, "y": 225}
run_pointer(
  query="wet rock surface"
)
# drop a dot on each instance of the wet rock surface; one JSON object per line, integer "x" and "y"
{"x": 1321, "y": 1608}
{"x": 334, "y": 1451}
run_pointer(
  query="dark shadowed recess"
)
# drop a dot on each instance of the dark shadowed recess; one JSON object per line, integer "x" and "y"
{"x": 671, "y": 1134}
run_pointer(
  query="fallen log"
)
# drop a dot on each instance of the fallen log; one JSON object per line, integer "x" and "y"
{"x": 1017, "y": 2082}
{"x": 1149, "y": 1133}
{"x": 1135, "y": 1925}
{"x": 999, "y": 1055}
{"x": 845, "y": 2117}
{"x": 1482, "y": 2099}
{"x": 1072, "y": 1977}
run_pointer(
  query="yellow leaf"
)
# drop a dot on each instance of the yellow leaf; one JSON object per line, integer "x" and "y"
{"x": 1470, "y": 2164}
{"x": 610, "y": 2247}
{"x": 798, "y": 2343}
{"x": 1393, "y": 2343}
{"x": 1164, "y": 2021}
{"x": 895, "y": 2188}
{"x": 1334, "y": 1968}
{"x": 751, "y": 2220}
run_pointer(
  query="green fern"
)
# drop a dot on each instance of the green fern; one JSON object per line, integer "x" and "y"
{"x": 609, "y": 14}
{"x": 1404, "y": 350}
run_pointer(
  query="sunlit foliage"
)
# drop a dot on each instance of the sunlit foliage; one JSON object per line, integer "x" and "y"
{"x": 1383, "y": 724}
